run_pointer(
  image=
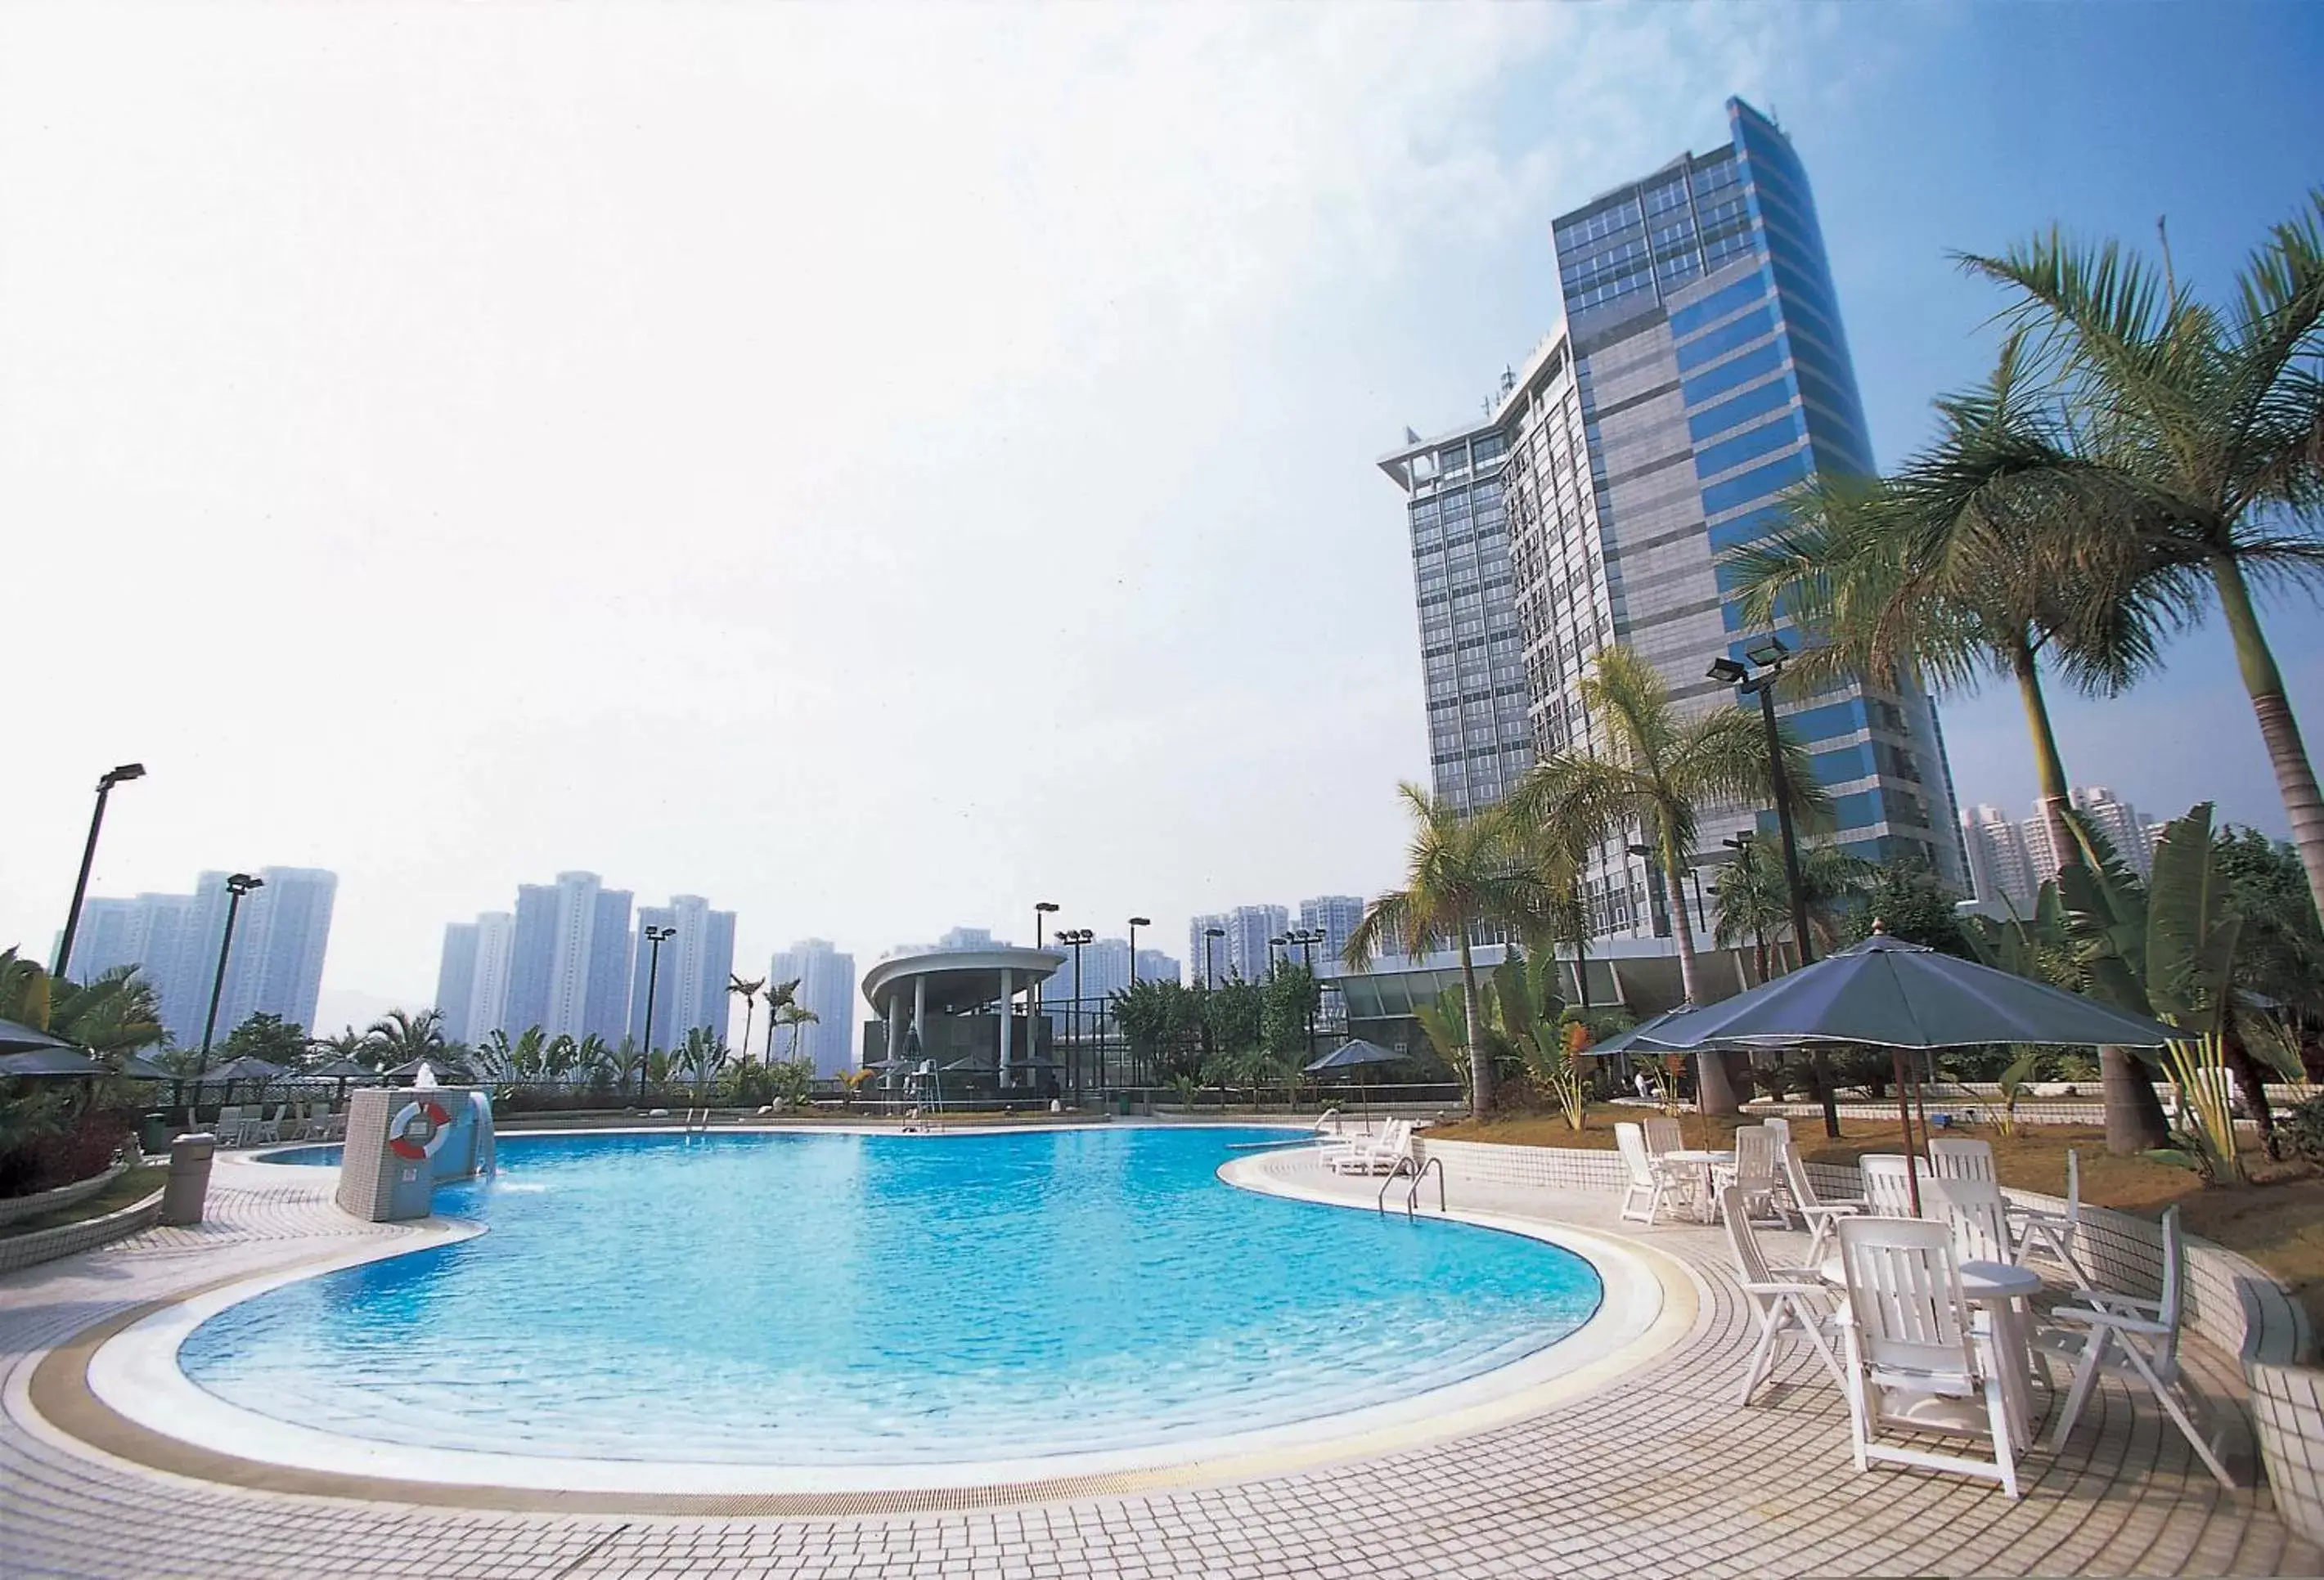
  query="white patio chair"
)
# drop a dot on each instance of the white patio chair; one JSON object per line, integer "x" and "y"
{"x": 1373, "y": 1156}
{"x": 1818, "y": 1212}
{"x": 1663, "y": 1135}
{"x": 1789, "y": 1302}
{"x": 229, "y": 1125}
{"x": 1646, "y": 1174}
{"x": 2133, "y": 1338}
{"x": 1758, "y": 1163}
{"x": 1916, "y": 1363}
{"x": 1973, "y": 1210}
{"x": 264, "y": 1128}
{"x": 2055, "y": 1233}
{"x": 1961, "y": 1157}
{"x": 1887, "y": 1184}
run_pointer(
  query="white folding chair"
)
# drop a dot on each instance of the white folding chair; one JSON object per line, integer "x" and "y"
{"x": 1645, "y": 1176}
{"x": 1789, "y": 1302}
{"x": 229, "y": 1125}
{"x": 1817, "y": 1211}
{"x": 1973, "y": 1210}
{"x": 1961, "y": 1157}
{"x": 1663, "y": 1135}
{"x": 1915, "y": 1361}
{"x": 2055, "y": 1233}
{"x": 1887, "y": 1184}
{"x": 1758, "y": 1159}
{"x": 2133, "y": 1338}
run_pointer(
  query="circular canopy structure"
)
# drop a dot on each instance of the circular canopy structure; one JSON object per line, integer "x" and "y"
{"x": 951, "y": 982}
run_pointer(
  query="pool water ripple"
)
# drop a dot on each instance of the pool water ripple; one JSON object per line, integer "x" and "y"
{"x": 798, "y": 1300}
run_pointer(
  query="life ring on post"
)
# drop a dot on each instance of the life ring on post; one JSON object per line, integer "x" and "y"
{"x": 399, "y": 1134}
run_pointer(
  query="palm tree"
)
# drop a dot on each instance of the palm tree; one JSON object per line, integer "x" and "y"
{"x": 348, "y": 1044}
{"x": 1751, "y": 901}
{"x": 1657, "y": 769}
{"x": 779, "y": 995}
{"x": 2207, "y": 426}
{"x": 400, "y": 1036}
{"x": 112, "y": 1013}
{"x": 748, "y": 988}
{"x": 1976, "y": 561}
{"x": 1462, "y": 872}
{"x": 794, "y": 1015}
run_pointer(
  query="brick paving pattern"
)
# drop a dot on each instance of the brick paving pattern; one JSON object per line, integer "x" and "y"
{"x": 1659, "y": 1474}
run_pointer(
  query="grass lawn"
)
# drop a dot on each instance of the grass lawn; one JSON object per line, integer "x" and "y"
{"x": 131, "y": 1187}
{"x": 2277, "y": 1221}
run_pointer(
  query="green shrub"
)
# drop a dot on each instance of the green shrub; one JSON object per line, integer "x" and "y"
{"x": 2302, "y": 1128}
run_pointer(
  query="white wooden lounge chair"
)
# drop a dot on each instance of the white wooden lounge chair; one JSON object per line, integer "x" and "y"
{"x": 1916, "y": 1363}
{"x": 1818, "y": 1212}
{"x": 1647, "y": 1179}
{"x": 1663, "y": 1135}
{"x": 1973, "y": 1210}
{"x": 1887, "y": 1187}
{"x": 1961, "y": 1157}
{"x": 1790, "y": 1303}
{"x": 2055, "y": 1233}
{"x": 1370, "y": 1154}
{"x": 2133, "y": 1338}
{"x": 1757, "y": 1166}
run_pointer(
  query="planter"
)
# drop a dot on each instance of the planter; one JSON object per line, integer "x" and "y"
{"x": 48, "y": 1245}
{"x": 2287, "y": 1406}
{"x": 41, "y": 1202}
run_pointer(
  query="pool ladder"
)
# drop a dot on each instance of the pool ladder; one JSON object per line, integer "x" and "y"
{"x": 697, "y": 1122}
{"x": 1406, "y": 1169}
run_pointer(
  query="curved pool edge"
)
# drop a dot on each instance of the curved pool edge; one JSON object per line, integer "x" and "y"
{"x": 116, "y": 1387}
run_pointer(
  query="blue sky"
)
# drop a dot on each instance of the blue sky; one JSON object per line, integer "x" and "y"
{"x": 879, "y": 466}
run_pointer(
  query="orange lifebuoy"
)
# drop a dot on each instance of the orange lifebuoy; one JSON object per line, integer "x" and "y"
{"x": 399, "y": 1134}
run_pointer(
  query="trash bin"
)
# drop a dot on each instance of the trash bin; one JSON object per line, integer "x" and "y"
{"x": 153, "y": 1135}
{"x": 189, "y": 1179}
{"x": 1122, "y": 1104}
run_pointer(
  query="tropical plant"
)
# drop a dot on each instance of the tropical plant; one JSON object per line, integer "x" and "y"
{"x": 2014, "y": 1077}
{"x": 851, "y": 1083}
{"x": 2207, "y": 1136}
{"x": 112, "y": 1014}
{"x": 1288, "y": 1001}
{"x": 266, "y": 1036}
{"x": 1528, "y": 1012}
{"x": 1909, "y": 901}
{"x": 796, "y": 1015}
{"x": 400, "y": 1036}
{"x": 1162, "y": 1022}
{"x": 792, "y": 1081}
{"x": 1462, "y": 873}
{"x": 1655, "y": 770}
{"x": 779, "y": 993}
{"x": 747, "y": 989}
{"x": 347, "y": 1044}
{"x": 2206, "y": 427}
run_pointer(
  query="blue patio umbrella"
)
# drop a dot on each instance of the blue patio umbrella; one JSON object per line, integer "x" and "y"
{"x": 15, "y": 1037}
{"x": 1885, "y": 993}
{"x": 1358, "y": 1055}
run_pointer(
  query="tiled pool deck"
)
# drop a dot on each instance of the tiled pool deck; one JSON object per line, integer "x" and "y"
{"x": 1657, "y": 1472}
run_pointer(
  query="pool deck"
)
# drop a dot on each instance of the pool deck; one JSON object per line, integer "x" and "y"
{"x": 1654, "y": 1472}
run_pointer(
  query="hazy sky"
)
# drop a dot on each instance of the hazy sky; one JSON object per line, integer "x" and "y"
{"x": 881, "y": 466}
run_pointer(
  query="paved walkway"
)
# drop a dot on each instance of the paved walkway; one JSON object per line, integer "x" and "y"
{"x": 1659, "y": 1475}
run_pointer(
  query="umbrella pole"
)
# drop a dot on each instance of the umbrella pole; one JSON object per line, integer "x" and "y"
{"x": 1904, "y": 1118}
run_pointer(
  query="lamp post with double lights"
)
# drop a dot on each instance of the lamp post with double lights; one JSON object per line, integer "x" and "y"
{"x": 1074, "y": 937}
{"x": 1741, "y": 845}
{"x": 1756, "y": 675}
{"x": 1210, "y": 960}
{"x": 1306, "y": 939}
{"x": 1042, "y": 911}
{"x": 1656, "y": 888}
{"x": 655, "y": 937}
{"x": 1135, "y": 923}
{"x": 237, "y": 885}
{"x": 105, "y": 784}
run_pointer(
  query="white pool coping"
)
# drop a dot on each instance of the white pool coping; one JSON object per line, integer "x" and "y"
{"x": 137, "y": 1374}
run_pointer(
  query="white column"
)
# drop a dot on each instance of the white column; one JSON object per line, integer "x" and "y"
{"x": 1007, "y": 991}
{"x": 895, "y": 1024}
{"x": 920, "y": 1010}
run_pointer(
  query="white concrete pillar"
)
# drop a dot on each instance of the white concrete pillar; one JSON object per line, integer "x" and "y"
{"x": 920, "y": 1010}
{"x": 1008, "y": 992}
{"x": 895, "y": 1026}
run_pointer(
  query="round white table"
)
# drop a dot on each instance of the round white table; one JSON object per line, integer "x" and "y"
{"x": 1707, "y": 1163}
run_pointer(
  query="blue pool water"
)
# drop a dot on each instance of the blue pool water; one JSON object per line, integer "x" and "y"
{"x": 820, "y": 1299}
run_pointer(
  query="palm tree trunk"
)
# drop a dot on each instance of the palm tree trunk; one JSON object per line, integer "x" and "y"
{"x": 2287, "y": 754}
{"x": 1714, "y": 1093}
{"x": 1481, "y": 1063}
{"x": 2135, "y": 1121}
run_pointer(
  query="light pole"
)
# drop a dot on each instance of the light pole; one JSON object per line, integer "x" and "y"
{"x": 1307, "y": 937}
{"x": 237, "y": 885}
{"x": 1135, "y": 923}
{"x": 1278, "y": 941}
{"x": 1766, "y": 658}
{"x": 1210, "y": 960}
{"x": 1656, "y": 890}
{"x": 655, "y": 937}
{"x": 121, "y": 775}
{"x": 1741, "y": 845}
{"x": 1042, "y": 911}
{"x": 1074, "y": 937}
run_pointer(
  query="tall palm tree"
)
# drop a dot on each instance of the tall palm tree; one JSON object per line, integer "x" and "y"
{"x": 779, "y": 995}
{"x": 1461, "y": 872}
{"x": 1751, "y": 902}
{"x": 798, "y": 1016}
{"x": 2208, "y": 423}
{"x": 748, "y": 988}
{"x": 1976, "y": 560}
{"x": 1657, "y": 769}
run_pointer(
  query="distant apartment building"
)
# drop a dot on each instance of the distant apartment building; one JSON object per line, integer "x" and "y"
{"x": 456, "y": 980}
{"x": 281, "y": 933}
{"x": 696, "y": 962}
{"x": 826, "y": 986}
{"x": 1702, "y": 372}
{"x": 2000, "y": 870}
{"x": 2130, "y": 832}
{"x": 1206, "y": 956}
{"x": 1104, "y": 970}
{"x": 560, "y": 961}
{"x": 1337, "y": 915}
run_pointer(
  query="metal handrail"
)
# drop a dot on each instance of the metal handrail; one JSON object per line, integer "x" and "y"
{"x": 1412, "y": 1194}
{"x": 1403, "y": 1167}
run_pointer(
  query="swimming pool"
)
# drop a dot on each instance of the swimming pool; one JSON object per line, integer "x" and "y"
{"x": 822, "y": 1299}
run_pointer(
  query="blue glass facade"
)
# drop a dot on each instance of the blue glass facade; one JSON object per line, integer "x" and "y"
{"x": 1703, "y": 314}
